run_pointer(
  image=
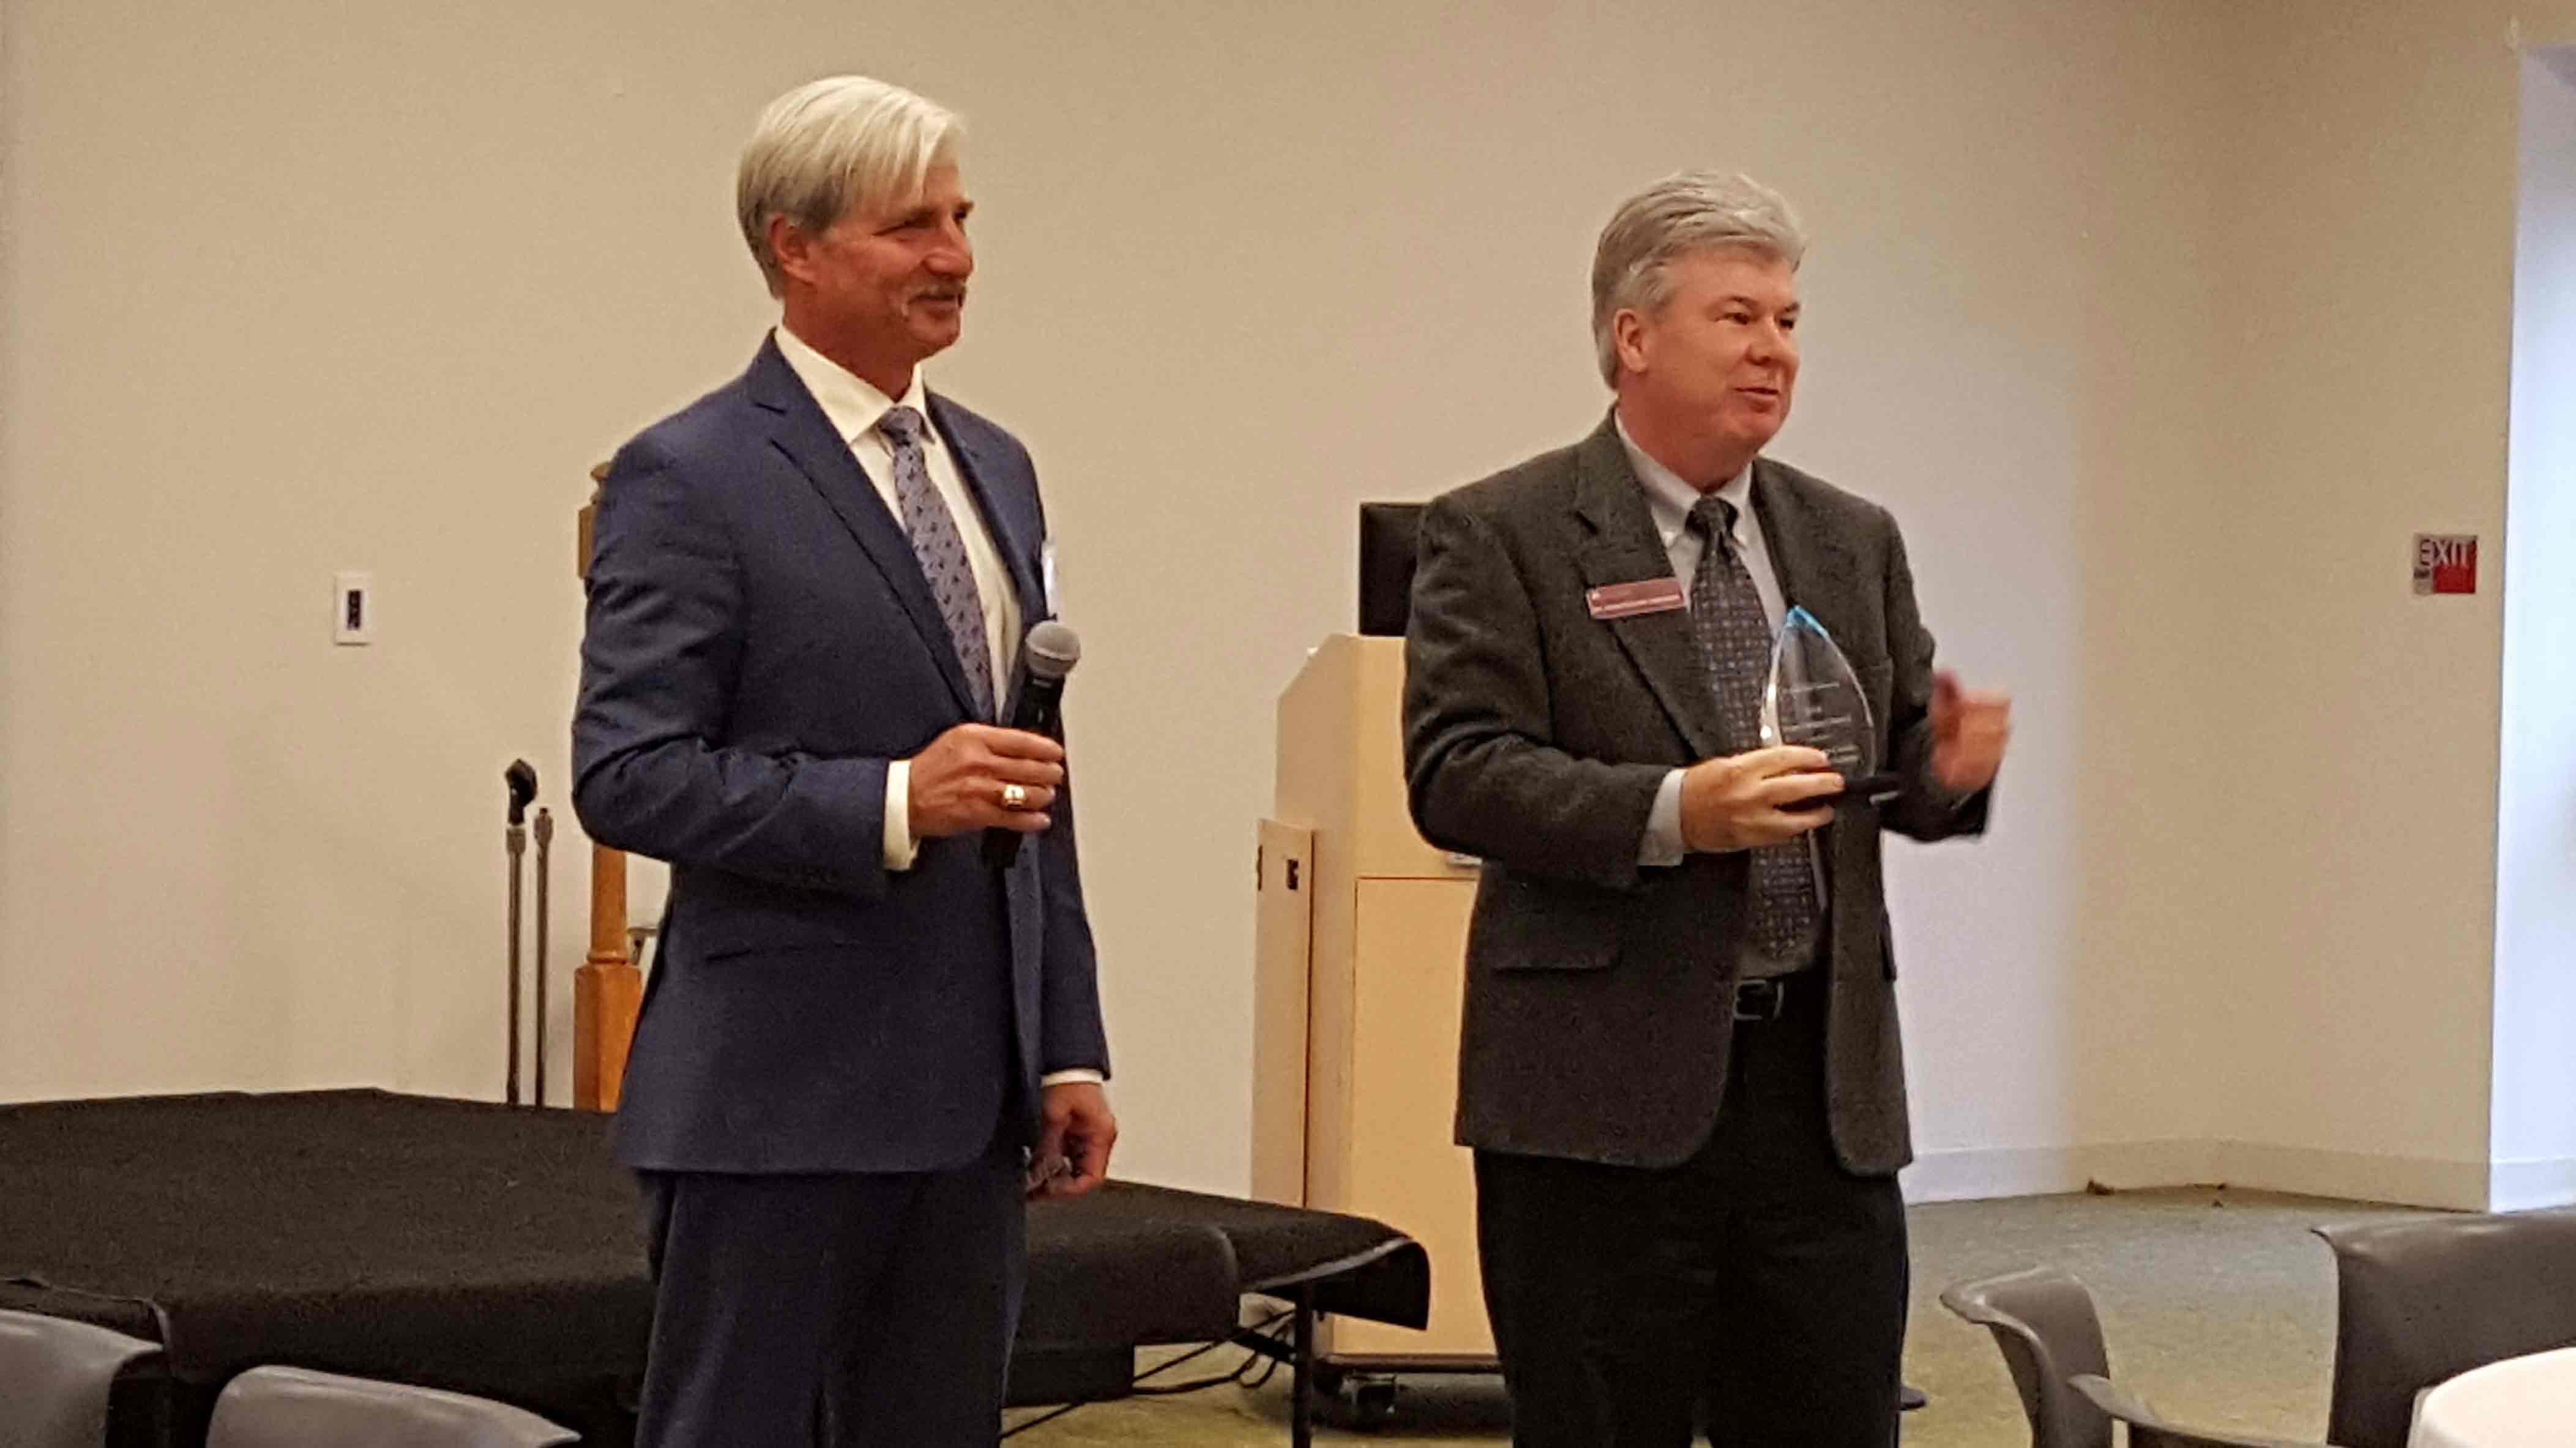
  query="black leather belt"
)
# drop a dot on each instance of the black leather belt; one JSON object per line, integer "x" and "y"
{"x": 1767, "y": 998}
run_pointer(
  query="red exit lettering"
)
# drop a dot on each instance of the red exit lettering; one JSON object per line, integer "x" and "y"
{"x": 2446, "y": 563}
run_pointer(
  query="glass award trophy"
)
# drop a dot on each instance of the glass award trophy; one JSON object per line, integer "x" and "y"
{"x": 1813, "y": 698}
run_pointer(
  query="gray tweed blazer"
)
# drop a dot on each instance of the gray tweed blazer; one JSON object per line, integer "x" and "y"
{"x": 1599, "y": 992}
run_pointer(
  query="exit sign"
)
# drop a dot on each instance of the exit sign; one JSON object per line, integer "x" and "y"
{"x": 2446, "y": 563}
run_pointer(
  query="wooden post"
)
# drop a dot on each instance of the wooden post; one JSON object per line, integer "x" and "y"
{"x": 584, "y": 522}
{"x": 606, "y": 991}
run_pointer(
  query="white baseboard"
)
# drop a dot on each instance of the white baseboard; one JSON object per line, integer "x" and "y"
{"x": 2515, "y": 1186}
{"x": 1970, "y": 1173}
{"x": 2356, "y": 1176}
{"x": 1966, "y": 1174}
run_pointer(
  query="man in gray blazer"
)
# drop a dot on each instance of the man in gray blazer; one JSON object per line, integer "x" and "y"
{"x": 1679, "y": 1070}
{"x": 807, "y": 594}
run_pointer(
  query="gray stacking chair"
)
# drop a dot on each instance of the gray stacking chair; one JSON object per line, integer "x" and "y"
{"x": 2149, "y": 1430}
{"x": 296, "y": 1408}
{"x": 2423, "y": 1300}
{"x": 54, "y": 1379}
{"x": 2044, "y": 1322}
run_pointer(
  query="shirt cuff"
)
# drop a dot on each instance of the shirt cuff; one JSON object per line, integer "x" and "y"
{"x": 1662, "y": 844}
{"x": 900, "y": 847}
{"x": 1947, "y": 800}
{"x": 1069, "y": 1077}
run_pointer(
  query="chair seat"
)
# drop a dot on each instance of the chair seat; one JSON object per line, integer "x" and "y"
{"x": 280, "y": 1407}
{"x": 2149, "y": 1429}
{"x": 55, "y": 1376}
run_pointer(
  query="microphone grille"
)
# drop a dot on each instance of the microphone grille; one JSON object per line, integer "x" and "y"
{"x": 1052, "y": 650}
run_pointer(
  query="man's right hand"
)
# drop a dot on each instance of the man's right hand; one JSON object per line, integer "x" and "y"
{"x": 957, "y": 783}
{"x": 1733, "y": 802}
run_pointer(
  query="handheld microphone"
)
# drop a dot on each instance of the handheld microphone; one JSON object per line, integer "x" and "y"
{"x": 1047, "y": 655}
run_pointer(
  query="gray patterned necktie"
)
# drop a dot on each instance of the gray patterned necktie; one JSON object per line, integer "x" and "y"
{"x": 942, "y": 552}
{"x": 1734, "y": 637}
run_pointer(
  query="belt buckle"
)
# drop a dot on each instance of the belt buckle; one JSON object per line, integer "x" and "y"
{"x": 1761, "y": 999}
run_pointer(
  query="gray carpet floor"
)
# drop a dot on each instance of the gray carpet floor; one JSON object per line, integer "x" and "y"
{"x": 2217, "y": 1304}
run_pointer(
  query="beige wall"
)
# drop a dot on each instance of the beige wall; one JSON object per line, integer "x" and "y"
{"x": 2366, "y": 305}
{"x": 2096, "y": 305}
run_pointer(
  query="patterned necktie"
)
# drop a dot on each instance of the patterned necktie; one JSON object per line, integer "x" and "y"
{"x": 942, "y": 552}
{"x": 1734, "y": 637}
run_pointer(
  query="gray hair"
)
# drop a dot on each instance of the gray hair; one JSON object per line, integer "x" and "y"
{"x": 1684, "y": 213}
{"x": 833, "y": 146}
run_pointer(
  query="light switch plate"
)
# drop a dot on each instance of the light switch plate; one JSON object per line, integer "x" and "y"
{"x": 353, "y": 612}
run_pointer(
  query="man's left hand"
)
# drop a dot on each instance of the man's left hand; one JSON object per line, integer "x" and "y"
{"x": 1073, "y": 1149}
{"x": 1969, "y": 730}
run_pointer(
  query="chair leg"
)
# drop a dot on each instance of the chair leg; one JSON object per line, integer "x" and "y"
{"x": 1301, "y": 1378}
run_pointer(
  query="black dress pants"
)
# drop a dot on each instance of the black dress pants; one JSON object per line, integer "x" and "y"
{"x": 838, "y": 1310}
{"x": 1757, "y": 1286}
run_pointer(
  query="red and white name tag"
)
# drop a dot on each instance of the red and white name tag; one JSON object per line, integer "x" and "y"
{"x": 1627, "y": 600}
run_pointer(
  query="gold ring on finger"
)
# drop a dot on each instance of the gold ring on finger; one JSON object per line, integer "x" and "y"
{"x": 1015, "y": 796}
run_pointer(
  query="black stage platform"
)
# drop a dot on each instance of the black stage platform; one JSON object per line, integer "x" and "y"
{"x": 497, "y": 1250}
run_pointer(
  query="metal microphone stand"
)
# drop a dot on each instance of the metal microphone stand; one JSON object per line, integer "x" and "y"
{"x": 545, "y": 873}
{"x": 520, "y": 779}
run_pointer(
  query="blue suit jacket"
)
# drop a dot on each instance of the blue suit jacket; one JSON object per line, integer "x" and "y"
{"x": 760, "y": 644}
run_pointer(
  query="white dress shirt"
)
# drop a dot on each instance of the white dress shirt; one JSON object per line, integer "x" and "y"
{"x": 1670, "y": 500}
{"x": 854, "y": 407}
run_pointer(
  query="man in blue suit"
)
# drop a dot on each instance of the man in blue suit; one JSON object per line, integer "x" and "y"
{"x": 862, "y": 1045}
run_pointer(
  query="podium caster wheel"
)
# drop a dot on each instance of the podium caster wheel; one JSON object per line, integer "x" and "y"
{"x": 1372, "y": 1405}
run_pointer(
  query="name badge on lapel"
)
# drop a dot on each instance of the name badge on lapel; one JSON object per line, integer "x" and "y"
{"x": 1627, "y": 600}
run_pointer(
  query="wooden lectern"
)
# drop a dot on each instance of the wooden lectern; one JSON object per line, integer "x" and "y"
{"x": 1360, "y": 946}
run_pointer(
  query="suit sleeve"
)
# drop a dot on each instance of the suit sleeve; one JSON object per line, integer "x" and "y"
{"x": 1922, "y": 810}
{"x": 659, "y": 656}
{"x": 1483, "y": 771}
{"x": 1070, "y": 1033}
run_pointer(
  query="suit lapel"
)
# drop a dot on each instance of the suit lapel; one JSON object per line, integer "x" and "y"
{"x": 1816, "y": 573}
{"x": 1815, "y": 566}
{"x": 1621, "y": 545}
{"x": 799, "y": 429}
{"x": 981, "y": 469}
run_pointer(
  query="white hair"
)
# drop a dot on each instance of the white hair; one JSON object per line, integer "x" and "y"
{"x": 1684, "y": 213}
{"x": 834, "y": 146}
